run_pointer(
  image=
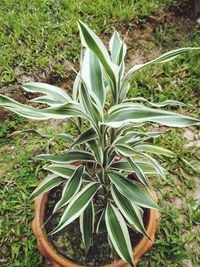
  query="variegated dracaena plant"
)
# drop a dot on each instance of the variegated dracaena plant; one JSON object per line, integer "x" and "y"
{"x": 109, "y": 145}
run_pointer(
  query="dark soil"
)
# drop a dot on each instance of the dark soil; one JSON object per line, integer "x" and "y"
{"x": 68, "y": 242}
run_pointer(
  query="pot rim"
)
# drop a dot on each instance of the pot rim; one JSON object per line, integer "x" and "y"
{"x": 47, "y": 249}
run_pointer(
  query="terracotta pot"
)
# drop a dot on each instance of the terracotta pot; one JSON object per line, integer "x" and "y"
{"x": 49, "y": 252}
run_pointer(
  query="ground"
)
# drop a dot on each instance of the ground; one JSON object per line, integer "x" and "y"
{"x": 39, "y": 41}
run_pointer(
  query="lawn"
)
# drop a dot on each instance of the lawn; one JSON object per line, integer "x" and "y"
{"x": 39, "y": 42}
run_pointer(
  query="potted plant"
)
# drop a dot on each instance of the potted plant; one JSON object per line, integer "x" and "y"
{"x": 102, "y": 177}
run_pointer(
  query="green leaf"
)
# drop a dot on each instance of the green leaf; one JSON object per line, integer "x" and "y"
{"x": 90, "y": 107}
{"x": 59, "y": 112}
{"x": 46, "y": 100}
{"x": 154, "y": 149}
{"x": 138, "y": 171}
{"x": 101, "y": 224}
{"x": 88, "y": 135}
{"x": 76, "y": 87}
{"x": 118, "y": 233}
{"x": 91, "y": 40}
{"x": 117, "y": 48}
{"x": 159, "y": 169}
{"x": 71, "y": 188}
{"x": 96, "y": 151}
{"x": 46, "y": 185}
{"x": 129, "y": 210}
{"x": 87, "y": 225}
{"x": 71, "y": 156}
{"x": 128, "y": 152}
{"x": 77, "y": 205}
{"x": 126, "y": 113}
{"x": 53, "y": 92}
{"x": 159, "y": 104}
{"x": 161, "y": 59}
{"x": 64, "y": 171}
{"x": 125, "y": 150}
{"x": 96, "y": 78}
{"x": 86, "y": 77}
{"x": 65, "y": 137}
{"x": 132, "y": 190}
{"x": 125, "y": 166}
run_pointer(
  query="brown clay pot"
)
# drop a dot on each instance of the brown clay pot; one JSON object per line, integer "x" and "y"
{"x": 57, "y": 260}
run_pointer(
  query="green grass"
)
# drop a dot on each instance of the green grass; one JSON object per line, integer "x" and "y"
{"x": 36, "y": 39}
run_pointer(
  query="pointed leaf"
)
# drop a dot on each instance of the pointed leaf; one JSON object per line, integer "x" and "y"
{"x": 154, "y": 149}
{"x": 96, "y": 78}
{"x": 91, "y": 40}
{"x": 159, "y": 104}
{"x": 70, "y": 189}
{"x": 129, "y": 210}
{"x": 125, "y": 166}
{"x": 77, "y": 205}
{"x": 96, "y": 150}
{"x": 132, "y": 190}
{"x": 138, "y": 171}
{"x": 67, "y": 157}
{"x": 88, "y": 135}
{"x": 126, "y": 113}
{"x": 87, "y": 225}
{"x": 46, "y": 185}
{"x": 90, "y": 108}
{"x": 101, "y": 224}
{"x": 53, "y": 92}
{"x": 64, "y": 171}
{"x": 118, "y": 233}
{"x": 161, "y": 59}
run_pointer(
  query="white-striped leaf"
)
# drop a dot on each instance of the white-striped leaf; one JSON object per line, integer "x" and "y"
{"x": 46, "y": 100}
{"x": 138, "y": 171}
{"x": 96, "y": 151}
{"x": 155, "y": 164}
{"x": 74, "y": 155}
{"x": 91, "y": 40}
{"x": 126, "y": 113}
{"x": 60, "y": 112}
{"x": 161, "y": 59}
{"x": 132, "y": 190}
{"x": 115, "y": 46}
{"x": 125, "y": 150}
{"x": 64, "y": 171}
{"x": 96, "y": 78}
{"x": 88, "y": 135}
{"x": 65, "y": 137}
{"x": 159, "y": 104}
{"x": 118, "y": 233}
{"x": 154, "y": 150}
{"x": 53, "y": 92}
{"x": 77, "y": 205}
{"x": 125, "y": 166}
{"x": 90, "y": 107}
{"x": 128, "y": 152}
{"x": 86, "y": 77}
{"x": 129, "y": 210}
{"x": 118, "y": 51}
{"x": 70, "y": 189}
{"x": 46, "y": 185}
{"x": 101, "y": 224}
{"x": 87, "y": 225}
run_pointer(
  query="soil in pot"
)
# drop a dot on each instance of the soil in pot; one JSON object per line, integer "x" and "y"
{"x": 68, "y": 242}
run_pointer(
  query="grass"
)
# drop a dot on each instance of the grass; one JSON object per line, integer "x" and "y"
{"x": 37, "y": 40}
